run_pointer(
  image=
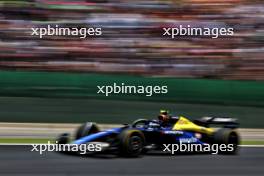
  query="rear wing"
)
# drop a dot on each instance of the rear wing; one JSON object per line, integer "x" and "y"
{"x": 227, "y": 122}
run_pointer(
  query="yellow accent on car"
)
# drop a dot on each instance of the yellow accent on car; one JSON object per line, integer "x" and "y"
{"x": 185, "y": 124}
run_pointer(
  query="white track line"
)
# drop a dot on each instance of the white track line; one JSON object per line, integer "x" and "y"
{"x": 251, "y": 145}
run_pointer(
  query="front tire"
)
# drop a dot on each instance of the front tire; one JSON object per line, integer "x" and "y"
{"x": 63, "y": 138}
{"x": 131, "y": 143}
{"x": 86, "y": 129}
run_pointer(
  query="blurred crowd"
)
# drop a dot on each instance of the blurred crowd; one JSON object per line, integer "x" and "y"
{"x": 132, "y": 40}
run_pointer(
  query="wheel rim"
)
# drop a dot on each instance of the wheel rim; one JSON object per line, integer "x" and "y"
{"x": 135, "y": 144}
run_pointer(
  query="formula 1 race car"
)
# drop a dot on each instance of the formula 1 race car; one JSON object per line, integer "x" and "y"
{"x": 144, "y": 135}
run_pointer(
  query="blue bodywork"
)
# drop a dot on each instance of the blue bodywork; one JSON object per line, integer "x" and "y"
{"x": 98, "y": 135}
{"x": 162, "y": 132}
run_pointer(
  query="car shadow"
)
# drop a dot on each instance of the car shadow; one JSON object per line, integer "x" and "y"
{"x": 108, "y": 155}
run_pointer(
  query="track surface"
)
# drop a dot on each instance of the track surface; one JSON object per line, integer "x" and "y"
{"x": 18, "y": 160}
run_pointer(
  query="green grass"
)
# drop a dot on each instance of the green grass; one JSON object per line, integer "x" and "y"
{"x": 25, "y": 141}
{"x": 252, "y": 143}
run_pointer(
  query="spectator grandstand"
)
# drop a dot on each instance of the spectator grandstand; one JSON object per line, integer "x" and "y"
{"x": 132, "y": 40}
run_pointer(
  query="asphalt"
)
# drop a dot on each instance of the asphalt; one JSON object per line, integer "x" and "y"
{"x": 19, "y": 160}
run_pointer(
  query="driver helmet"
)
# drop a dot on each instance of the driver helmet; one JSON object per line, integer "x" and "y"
{"x": 164, "y": 115}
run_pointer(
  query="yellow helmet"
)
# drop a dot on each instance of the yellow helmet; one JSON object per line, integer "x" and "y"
{"x": 165, "y": 112}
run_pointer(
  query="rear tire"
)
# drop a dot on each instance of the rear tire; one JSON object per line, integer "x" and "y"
{"x": 227, "y": 136}
{"x": 131, "y": 143}
{"x": 86, "y": 129}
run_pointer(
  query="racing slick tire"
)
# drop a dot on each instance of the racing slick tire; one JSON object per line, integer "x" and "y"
{"x": 86, "y": 129}
{"x": 63, "y": 138}
{"x": 131, "y": 143}
{"x": 227, "y": 136}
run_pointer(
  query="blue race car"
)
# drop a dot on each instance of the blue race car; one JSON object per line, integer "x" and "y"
{"x": 144, "y": 135}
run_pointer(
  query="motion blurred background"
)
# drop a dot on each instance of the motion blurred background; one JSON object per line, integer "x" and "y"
{"x": 54, "y": 79}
